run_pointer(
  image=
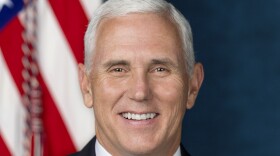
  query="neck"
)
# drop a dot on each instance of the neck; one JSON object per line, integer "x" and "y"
{"x": 168, "y": 148}
{"x": 101, "y": 151}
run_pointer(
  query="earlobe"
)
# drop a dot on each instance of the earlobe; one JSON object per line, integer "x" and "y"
{"x": 85, "y": 86}
{"x": 195, "y": 84}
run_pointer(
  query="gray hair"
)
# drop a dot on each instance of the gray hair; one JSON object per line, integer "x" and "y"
{"x": 115, "y": 8}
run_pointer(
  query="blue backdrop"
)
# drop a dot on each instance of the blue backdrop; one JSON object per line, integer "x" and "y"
{"x": 237, "y": 112}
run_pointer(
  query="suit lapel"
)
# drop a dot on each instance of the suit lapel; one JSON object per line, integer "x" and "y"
{"x": 88, "y": 150}
{"x": 184, "y": 151}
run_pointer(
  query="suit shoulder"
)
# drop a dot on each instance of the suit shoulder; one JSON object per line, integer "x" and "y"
{"x": 88, "y": 150}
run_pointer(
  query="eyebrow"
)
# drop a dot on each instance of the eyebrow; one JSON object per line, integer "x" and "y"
{"x": 163, "y": 61}
{"x": 111, "y": 63}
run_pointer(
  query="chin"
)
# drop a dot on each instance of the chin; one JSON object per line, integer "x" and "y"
{"x": 140, "y": 147}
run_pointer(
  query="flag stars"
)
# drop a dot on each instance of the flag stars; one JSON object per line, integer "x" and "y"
{"x": 8, "y": 3}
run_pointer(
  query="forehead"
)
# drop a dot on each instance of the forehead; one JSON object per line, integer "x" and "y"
{"x": 136, "y": 32}
{"x": 135, "y": 23}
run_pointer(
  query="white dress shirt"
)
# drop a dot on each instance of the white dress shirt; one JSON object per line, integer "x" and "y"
{"x": 101, "y": 151}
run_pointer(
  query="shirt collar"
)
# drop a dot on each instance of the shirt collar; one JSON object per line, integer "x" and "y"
{"x": 178, "y": 152}
{"x": 101, "y": 151}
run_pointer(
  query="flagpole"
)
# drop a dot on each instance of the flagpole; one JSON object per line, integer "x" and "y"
{"x": 31, "y": 86}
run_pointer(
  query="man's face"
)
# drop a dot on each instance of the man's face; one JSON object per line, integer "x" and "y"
{"x": 138, "y": 85}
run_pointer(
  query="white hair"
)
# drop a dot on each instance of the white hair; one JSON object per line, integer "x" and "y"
{"x": 116, "y": 8}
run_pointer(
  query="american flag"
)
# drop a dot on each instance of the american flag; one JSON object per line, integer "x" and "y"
{"x": 52, "y": 34}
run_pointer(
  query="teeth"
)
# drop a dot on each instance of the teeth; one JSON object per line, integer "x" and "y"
{"x": 137, "y": 116}
{"x": 133, "y": 116}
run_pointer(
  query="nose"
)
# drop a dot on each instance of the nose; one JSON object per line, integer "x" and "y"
{"x": 139, "y": 88}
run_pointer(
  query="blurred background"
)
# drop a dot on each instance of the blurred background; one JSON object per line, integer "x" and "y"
{"x": 237, "y": 112}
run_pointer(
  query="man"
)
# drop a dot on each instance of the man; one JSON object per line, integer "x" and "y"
{"x": 139, "y": 77}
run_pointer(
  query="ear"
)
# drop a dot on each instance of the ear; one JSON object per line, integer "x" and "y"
{"x": 85, "y": 86}
{"x": 195, "y": 84}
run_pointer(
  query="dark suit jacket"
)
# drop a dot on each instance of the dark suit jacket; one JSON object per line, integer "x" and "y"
{"x": 89, "y": 150}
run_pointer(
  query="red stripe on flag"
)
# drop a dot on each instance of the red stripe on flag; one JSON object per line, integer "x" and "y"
{"x": 10, "y": 43}
{"x": 73, "y": 22}
{"x": 3, "y": 148}
{"x": 57, "y": 139}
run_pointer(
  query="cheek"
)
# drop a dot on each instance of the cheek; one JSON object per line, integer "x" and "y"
{"x": 106, "y": 91}
{"x": 106, "y": 94}
{"x": 171, "y": 91}
{"x": 172, "y": 97}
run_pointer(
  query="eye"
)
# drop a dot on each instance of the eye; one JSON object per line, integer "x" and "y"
{"x": 160, "y": 69}
{"x": 118, "y": 70}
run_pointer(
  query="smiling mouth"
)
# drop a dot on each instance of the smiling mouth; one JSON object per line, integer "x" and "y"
{"x": 134, "y": 116}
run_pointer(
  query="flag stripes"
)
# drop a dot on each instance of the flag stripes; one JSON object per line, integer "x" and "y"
{"x": 3, "y": 149}
{"x": 67, "y": 15}
{"x": 68, "y": 125}
{"x": 12, "y": 114}
{"x": 55, "y": 74}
